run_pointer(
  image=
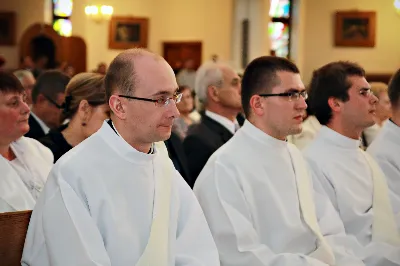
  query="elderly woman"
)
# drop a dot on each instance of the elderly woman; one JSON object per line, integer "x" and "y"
{"x": 382, "y": 113}
{"x": 85, "y": 107}
{"x": 185, "y": 107}
{"x": 24, "y": 162}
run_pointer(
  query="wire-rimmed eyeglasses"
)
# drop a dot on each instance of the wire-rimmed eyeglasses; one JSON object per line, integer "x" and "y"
{"x": 163, "y": 101}
{"x": 292, "y": 96}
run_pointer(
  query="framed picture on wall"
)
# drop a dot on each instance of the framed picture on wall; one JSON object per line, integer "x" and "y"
{"x": 355, "y": 29}
{"x": 128, "y": 32}
{"x": 7, "y": 28}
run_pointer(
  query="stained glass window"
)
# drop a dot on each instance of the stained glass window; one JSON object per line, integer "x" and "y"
{"x": 63, "y": 27}
{"x": 279, "y": 28}
{"x": 279, "y": 34}
{"x": 62, "y": 11}
{"x": 280, "y": 8}
{"x": 62, "y": 8}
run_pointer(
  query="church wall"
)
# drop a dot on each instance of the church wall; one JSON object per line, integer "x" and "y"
{"x": 208, "y": 21}
{"x": 28, "y": 12}
{"x": 318, "y": 39}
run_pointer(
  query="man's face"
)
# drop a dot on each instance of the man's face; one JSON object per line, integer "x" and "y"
{"x": 14, "y": 115}
{"x": 50, "y": 109}
{"x": 149, "y": 121}
{"x": 28, "y": 82}
{"x": 359, "y": 110}
{"x": 229, "y": 94}
{"x": 283, "y": 115}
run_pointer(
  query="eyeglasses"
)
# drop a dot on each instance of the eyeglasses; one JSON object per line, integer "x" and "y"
{"x": 291, "y": 95}
{"x": 53, "y": 102}
{"x": 163, "y": 101}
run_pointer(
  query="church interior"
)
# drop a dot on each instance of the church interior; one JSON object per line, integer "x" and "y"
{"x": 62, "y": 64}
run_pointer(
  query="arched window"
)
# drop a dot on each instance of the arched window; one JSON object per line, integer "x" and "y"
{"x": 279, "y": 27}
{"x": 62, "y": 11}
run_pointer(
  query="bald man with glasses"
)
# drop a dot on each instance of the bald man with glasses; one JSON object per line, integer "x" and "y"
{"x": 116, "y": 198}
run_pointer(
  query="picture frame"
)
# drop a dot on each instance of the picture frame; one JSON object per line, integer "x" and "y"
{"x": 355, "y": 28}
{"x": 128, "y": 32}
{"x": 7, "y": 28}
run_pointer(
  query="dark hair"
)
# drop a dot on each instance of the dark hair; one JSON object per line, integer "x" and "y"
{"x": 394, "y": 89}
{"x": 331, "y": 80}
{"x": 260, "y": 76}
{"x": 10, "y": 83}
{"x": 50, "y": 83}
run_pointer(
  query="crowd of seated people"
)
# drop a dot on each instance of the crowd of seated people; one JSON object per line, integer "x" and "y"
{"x": 322, "y": 158}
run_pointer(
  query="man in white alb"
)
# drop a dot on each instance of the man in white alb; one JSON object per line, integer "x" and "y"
{"x": 256, "y": 190}
{"x": 342, "y": 101}
{"x": 115, "y": 199}
{"x": 386, "y": 147}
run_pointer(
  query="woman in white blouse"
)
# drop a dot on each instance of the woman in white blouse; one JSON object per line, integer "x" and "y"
{"x": 24, "y": 162}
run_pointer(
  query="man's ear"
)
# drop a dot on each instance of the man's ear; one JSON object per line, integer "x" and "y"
{"x": 40, "y": 98}
{"x": 213, "y": 93}
{"x": 335, "y": 104}
{"x": 256, "y": 105}
{"x": 117, "y": 107}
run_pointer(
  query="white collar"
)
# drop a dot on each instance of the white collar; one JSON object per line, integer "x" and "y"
{"x": 329, "y": 135}
{"x": 228, "y": 124}
{"x": 44, "y": 127}
{"x": 126, "y": 144}
{"x": 254, "y": 132}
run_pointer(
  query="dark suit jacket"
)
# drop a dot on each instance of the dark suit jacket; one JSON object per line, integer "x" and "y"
{"x": 201, "y": 142}
{"x": 35, "y": 131}
{"x": 177, "y": 155}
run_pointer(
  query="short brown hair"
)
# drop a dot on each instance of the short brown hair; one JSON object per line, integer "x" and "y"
{"x": 260, "y": 76}
{"x": 331, "y": 80}
{"x": 50, "y": 83}
{"x": 83, "y": 86}
{"x": 10, "y": 83}
{"x": 121, "y": 75}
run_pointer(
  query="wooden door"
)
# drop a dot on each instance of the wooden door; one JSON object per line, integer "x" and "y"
{"x": 176, "y": 53}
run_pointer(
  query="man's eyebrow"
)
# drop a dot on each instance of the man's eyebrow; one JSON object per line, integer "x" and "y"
{"x": 294, "y": 90}
{"x": 162, "y": 93}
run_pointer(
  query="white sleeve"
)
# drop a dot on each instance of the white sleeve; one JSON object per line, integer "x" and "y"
{"x": 195, "y": 244}
{"x": 230, "y": 221}
{"x": 346, "y": 248}
{"x": 62, "y": 232}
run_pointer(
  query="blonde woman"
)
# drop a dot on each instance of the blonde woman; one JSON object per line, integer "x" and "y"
{"x": 382, "y": 113}
{"x": 85, "y": 107}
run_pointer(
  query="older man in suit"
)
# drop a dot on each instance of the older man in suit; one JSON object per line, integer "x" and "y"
{"x": 218, "y": 88}
{"x": 47, "y": 98}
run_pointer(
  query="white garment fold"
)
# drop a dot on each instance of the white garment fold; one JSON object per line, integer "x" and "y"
{"x": 36, "y": 161}
{"x": 248, "y": 192}
{"x": 98, "y": 206}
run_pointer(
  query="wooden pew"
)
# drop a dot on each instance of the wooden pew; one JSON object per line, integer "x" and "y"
{"x": 13, "y": 228}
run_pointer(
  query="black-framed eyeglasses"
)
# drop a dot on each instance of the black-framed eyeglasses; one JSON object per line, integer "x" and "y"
{"x": 163, "y": 101}
{"x": 53, "y": 102}
{"x": 293, "y": 95}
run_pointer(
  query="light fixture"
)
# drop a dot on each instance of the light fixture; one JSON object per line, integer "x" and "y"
{"x": 397, "y": 6}
{"x": 99, "y": 13}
